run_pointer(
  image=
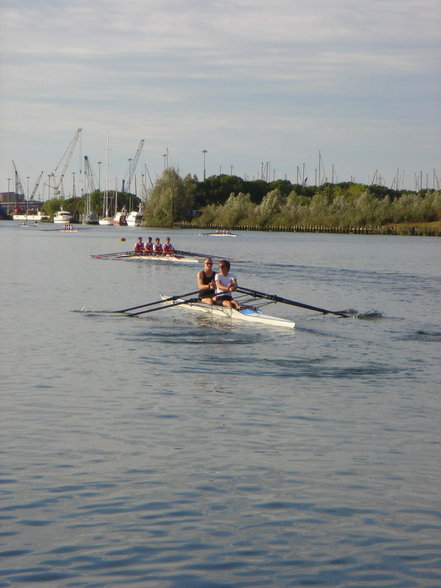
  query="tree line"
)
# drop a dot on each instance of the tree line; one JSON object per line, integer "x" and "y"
{"x": 230, "y": 201}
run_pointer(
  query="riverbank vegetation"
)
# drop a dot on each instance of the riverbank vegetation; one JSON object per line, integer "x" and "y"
{"x": 230, "y": 202}
{"x": 233, "y": 203}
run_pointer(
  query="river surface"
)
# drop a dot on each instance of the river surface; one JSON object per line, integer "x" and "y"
{"x": 168, "y": 451}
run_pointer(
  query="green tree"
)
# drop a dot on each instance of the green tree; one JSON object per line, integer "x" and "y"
{"x": 169, "y": 200}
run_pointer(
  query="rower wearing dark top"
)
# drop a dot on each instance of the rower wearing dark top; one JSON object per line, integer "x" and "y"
{"x": 206, "y": 282}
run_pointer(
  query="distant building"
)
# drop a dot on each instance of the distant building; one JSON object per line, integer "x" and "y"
{"x": 13, "y": 203}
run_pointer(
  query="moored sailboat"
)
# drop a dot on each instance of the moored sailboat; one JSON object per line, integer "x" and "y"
{"x": 106, "y": 220}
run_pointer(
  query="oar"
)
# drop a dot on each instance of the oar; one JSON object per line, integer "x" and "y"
{"x": 100, "y": 255}
{"x": 157, "y": 301}
{"x": 165, "y": 306}
{"x": 276, "y": 298}
{"x": 192, "y": 253}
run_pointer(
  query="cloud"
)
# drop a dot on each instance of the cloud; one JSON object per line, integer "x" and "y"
{"x": 258, "y": 80}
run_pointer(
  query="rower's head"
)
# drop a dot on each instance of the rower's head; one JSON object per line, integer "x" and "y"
{"x": 150, "y": 239}
{"x": 167, "y": 240}
{"x": 157, "y": 239}
{"x": 208, "y": 263}
{"x": 224, "y": 266}
{"x": 139, "y": 239}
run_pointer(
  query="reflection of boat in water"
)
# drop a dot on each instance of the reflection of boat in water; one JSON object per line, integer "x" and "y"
{"x": 62, "y": 216}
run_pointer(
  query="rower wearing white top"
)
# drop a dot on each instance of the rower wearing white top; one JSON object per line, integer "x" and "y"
{"x": 168, "y": 247}
{"x": 225, "y": 284}
{"x": 148, "y": 245}
{"x": 157, "y": 247}
{"x": 139, "y": 246}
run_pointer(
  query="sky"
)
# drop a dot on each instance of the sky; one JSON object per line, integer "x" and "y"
{"x": 314, "y": 90}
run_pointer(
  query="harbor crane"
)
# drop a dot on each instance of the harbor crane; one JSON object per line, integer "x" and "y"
{"x": 90, "y": 178}
{"x": 18, "y": 182}
{"x": 132, "y": 167}
{"x": 58, "y": 179}
{"x": 37, "y": 183}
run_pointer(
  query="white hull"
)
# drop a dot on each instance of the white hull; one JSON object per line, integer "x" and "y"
{"x": 120, "y": 219}
{"x": 134, "y": 219}
{"x": 63, "y": 217}
{"x": 248, "y": 314}
{"x": 218, "y": 235}
{"x": 163, "y": 258}
{"x": 106, "y": 222}
{"x": 40, "y": 217}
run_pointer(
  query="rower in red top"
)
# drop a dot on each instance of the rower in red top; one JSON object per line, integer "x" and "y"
{"x": 139, "y": 246}
{"x": 157, "y": 247}
{"x": 148, "y": 245}
{"x": 168, "y": 247}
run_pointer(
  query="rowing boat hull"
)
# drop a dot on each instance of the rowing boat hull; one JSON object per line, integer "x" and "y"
{"x": 163, "y": 258}
{"x": 247, "y": 314}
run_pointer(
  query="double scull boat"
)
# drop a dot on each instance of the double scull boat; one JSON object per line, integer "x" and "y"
{"x": 246, "y": 313}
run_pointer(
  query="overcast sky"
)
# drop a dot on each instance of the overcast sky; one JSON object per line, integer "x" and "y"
{"x": 263, "y": 86}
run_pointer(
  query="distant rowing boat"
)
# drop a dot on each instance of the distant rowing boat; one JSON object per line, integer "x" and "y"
{"x": 218, "y": 234}
{"x": 248, "y": 314}
{"x": 147, "y": 257}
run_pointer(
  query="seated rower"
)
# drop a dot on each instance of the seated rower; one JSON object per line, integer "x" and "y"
{"x": 157, "y": 247}
{"x": 225, "y": 284}
{"x": 148, "y": 246}
{"x": 168, "y": 247}
{"x": 207, "y": 283}
{"x": 139, "y": 246}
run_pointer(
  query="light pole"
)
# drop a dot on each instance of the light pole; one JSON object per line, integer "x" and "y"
{"x": 9, "y": 193}
{"x": 99, "y": 176}
{"x": 27, "y": 189}
{"x": 204, "y": 151}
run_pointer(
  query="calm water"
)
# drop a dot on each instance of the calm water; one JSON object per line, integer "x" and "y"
{"x": 165, "y": 451}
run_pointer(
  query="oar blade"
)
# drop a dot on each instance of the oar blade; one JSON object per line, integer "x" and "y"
{"x": 275, "y": 298}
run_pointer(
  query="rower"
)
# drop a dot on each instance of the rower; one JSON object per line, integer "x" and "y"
{"x": 168, "y": 247}
{"x": 207, "y": 283}
{"x": 139, "y": 245}
{"x": 157, "y": 246}
{"x": 148, "y": 246}
{"x": 225, "y": 284}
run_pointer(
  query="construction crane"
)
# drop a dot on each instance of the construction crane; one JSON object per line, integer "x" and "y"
{"x": 18, "y": 183}
{"x": 37, "y": 183}
{"x": 132, "y": 167}
{"x": 90, "y": 179}
{"x": 58, "y": 182}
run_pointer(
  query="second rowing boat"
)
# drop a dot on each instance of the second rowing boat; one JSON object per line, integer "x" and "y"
{"x": 148, "y": 257}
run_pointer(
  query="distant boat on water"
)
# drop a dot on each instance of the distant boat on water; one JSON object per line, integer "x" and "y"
{"x": 62, "y": 216}
{"x": 135, "y": 218}
{"x": 120, "y": 219}
{"x": 39, "y": 216}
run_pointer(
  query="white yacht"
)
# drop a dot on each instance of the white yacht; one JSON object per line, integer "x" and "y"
{"x": 62, "y": 216}
{"x": 134, "y": 219}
